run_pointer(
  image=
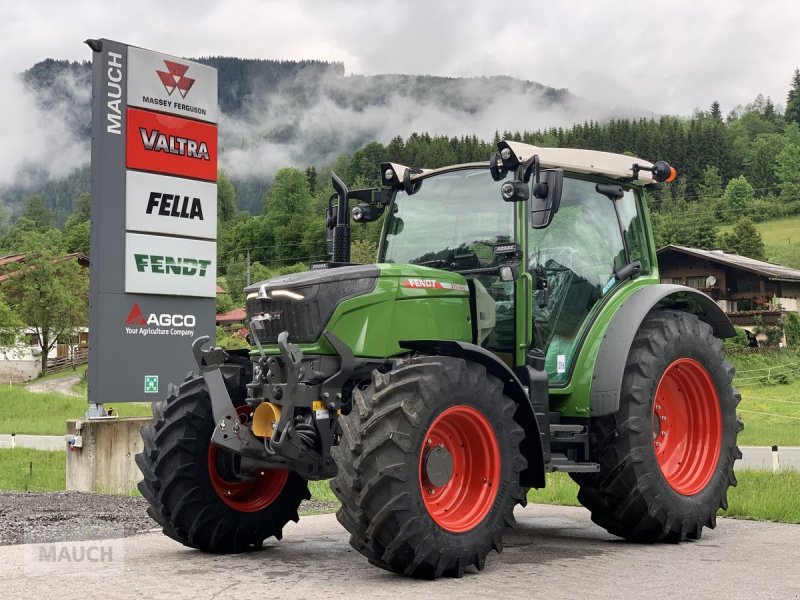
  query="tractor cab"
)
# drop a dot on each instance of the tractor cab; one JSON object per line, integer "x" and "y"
{"x": 543, "y": 236}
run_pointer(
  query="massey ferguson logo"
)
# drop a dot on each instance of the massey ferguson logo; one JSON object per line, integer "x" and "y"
{"x": 137, "y": 323}
{"x": 175, "y": 78}
{"x": 156, "y": 141}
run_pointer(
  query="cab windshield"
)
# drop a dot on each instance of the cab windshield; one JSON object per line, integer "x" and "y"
{"x": 451, "y": 223}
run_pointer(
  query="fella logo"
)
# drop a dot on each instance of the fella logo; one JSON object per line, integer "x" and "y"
{"x": 171, "y": 145}
{"x": 173, "y": 205}
{"x": 174, "y": 78}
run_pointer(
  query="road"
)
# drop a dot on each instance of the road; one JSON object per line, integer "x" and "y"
{"x": 556, "y": 552}
{"x": 37, "y": 442}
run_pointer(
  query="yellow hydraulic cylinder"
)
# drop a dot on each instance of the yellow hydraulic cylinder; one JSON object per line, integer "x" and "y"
{"x": 265, "y": 419}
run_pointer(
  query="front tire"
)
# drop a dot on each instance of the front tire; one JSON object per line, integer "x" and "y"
{"x": 666, "y": 456}
{"x": 192, "y": 486}
{"x": 428, "y": 467}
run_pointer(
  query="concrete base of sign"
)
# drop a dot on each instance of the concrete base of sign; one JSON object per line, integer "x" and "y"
{"x": 100, "y": 455}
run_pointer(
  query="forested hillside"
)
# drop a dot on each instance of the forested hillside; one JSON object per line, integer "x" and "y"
{"x": 277, "y": 113}
{"x": 735, "y": 168}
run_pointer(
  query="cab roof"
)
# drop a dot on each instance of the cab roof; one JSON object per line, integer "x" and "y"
{"x": 591, "y": 162}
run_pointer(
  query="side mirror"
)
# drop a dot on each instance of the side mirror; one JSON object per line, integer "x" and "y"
{"x": 546, "y": 197}
{"x": 395, "y": 226}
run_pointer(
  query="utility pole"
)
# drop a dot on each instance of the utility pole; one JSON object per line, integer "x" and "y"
{"x": 248, "y": 267}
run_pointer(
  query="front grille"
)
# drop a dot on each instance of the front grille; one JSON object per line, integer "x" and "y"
{"x": 305, "y": 319}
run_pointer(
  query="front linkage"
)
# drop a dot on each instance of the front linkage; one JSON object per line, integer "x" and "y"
{"x": 296, "y": 401}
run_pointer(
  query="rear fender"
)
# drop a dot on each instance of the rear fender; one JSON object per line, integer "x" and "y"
{"x": 618, "y": 337}
{"x": 531, "y": 446}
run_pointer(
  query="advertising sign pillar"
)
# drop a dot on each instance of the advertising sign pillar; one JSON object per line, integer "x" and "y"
{"x": 153, "y": 220}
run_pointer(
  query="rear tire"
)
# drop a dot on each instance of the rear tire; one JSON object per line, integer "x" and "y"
{"x": 666, "y": 456}
{"x": 193, "y": 496}
{"x": 402, "y": 513}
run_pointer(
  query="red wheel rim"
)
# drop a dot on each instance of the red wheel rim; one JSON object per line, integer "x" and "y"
{"x": 245, "y": 496}
{"x": 687, "y": 426}
{"x": 467, "y": 497}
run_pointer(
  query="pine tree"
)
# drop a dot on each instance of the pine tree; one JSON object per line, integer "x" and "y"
{"x": 715, "y": 112}
{"x": 792, "y": 113}
{"x": 226, "y": 199}
{"x": 36, "y": 211}
{"x": 710, "y": 187}
{"x": 788, "y": 172}
{"x": 744, "y": 240}
{"x": 737, "y": 201}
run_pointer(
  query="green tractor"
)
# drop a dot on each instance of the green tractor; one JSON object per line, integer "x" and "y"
{"x": 514, "y": 326}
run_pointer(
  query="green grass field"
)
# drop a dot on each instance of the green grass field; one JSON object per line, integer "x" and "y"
{"x": 771, "y": 413}
{"x": 22, "y": 411}
{"x": 25, "y": 470}
{"x": 781, "y": 240}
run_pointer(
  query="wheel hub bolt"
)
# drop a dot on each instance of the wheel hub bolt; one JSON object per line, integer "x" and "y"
{"x": 663, "y": 418}
{"x": 658, "y": 444}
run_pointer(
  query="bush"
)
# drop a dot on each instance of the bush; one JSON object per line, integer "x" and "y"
{"x": 791, "y": 328}
{"x": 740, "y": 340}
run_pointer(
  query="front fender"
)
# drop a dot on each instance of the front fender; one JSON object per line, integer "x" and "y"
{"x": 531, "y": 446}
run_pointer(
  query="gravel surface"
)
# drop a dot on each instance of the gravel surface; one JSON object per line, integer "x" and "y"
{"x": 62, "y": 385}
{"x": 61, "y": 516}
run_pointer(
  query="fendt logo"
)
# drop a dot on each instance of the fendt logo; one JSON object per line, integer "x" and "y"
{"x": 169, "y": 265}
{"x": 175, "y": 78}
{"x": 136, "y": 323}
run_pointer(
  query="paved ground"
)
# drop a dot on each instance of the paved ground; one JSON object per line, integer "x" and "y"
{"x": 555, "y": 553}
{"x": 62, "y": 385}
{"x": 37, "y": 442}
{"x": 760, "y": 457}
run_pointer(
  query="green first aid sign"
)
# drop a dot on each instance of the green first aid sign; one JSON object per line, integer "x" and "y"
{"x": 151, "y": 384}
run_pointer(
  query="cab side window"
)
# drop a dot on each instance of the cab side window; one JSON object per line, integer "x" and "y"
{"x": 578, "y": 255}
{"x": 633, "y": 227}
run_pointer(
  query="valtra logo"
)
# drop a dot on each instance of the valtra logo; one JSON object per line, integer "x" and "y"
{"x": 171, "y": 145}
{"x": 175, "y": 78}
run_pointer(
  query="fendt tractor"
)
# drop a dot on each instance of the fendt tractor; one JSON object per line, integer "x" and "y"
{"x": 514, "y": 325}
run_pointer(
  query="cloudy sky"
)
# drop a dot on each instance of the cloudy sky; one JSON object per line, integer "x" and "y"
{"x": 620, "y": 56}
{"x": 669, "y": 57}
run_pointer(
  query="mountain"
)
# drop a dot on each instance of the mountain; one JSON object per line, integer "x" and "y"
{"x": 296, "y": 113}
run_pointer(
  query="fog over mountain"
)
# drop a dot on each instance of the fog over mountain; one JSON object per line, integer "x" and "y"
{"x": 273, "y": 114}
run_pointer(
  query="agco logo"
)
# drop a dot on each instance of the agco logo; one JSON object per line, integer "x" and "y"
{"x": 175, "y": 78}
{"x": 136, "y": 318}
